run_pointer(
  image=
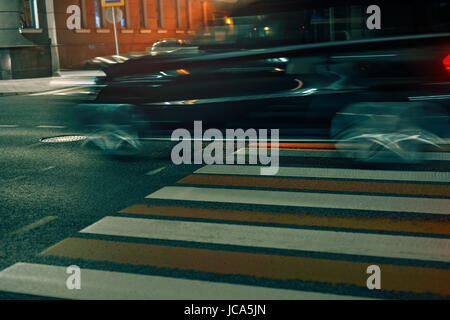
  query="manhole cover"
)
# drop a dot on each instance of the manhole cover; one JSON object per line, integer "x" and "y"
{"x": 61, "y": 139}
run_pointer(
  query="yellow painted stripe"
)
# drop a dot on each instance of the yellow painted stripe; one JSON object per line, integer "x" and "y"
{"x": 314, "y": 184}
{"x": 393, "y": 278}
{"x": 430, "y": 225}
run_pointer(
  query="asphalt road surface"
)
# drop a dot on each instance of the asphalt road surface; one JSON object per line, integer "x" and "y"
{"x": 145, "y": 228}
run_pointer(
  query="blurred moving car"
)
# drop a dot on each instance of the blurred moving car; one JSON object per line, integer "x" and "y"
{"x": 106, "y": 61}
{"x": 380, "y": 98}
{"x": 161, "y": 47}
{"x": 172, "y": 45}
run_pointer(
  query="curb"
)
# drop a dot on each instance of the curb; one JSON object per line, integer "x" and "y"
{"x": 6, "y": 94}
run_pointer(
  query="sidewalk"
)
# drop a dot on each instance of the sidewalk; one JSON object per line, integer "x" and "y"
{"x": 67, "y": 79}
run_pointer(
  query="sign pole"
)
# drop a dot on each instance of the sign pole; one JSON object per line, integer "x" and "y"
{"x": 112, "y": 4}
{"x": 115, "y": 30}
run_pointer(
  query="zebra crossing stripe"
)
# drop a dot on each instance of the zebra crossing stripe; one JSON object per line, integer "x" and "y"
{"x": 375, "y": 245}
{"x": 305, "y": 199}
{"x": 331, "y": 173}
{"x": 429, "y": 225}
{"x": 435, "y": 190}
{"x": 267, "y": 266}
{"x": 50, "y": 281}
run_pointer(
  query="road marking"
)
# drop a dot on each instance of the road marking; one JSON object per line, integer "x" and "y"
{"x": 437, "y": 156}
{"x": 418, "y": 225}
{"x": 325, "y": 185}
{"x": 395, "y": 278}
{"x": 305, "y": 199}
{"x": 419, "y": 176}
{"x": 33, "y": 225}
{"x": 377, "y": 245}
{"x": 46, "y": 169}
{"x": 8, "y": 125}
{"x": 50, "y": 281}
{"x": 153, "y": 172}
{"x": 51, "y": 127}
{"x": 56, "y": 91}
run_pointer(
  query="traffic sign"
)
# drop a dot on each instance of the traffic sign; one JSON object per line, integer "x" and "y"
{"x": 113, "y": 3}
{"x": 115, "y": 16}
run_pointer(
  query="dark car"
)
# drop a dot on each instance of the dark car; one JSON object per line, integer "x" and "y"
{"x": 171, "y": 46}
{"x": 384, "y": 92}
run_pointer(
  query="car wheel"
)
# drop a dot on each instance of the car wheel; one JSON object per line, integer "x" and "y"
{"x": 116, "y": 140}
{"x": 373, "y": 132}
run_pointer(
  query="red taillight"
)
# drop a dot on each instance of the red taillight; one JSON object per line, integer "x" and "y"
{"x": 446, "y": 62}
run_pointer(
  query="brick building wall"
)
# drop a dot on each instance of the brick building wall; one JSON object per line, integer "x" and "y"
{"x": 139, "y": 31}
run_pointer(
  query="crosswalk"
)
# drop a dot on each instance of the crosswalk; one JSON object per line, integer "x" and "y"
{"x": 225, "y": 232}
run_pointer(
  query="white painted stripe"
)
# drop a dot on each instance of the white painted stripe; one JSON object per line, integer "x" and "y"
{"x": 50, "y": 281}
{"x": 280, "y": 238}
{"x": 51, "y": 127}
{"x": 55, "y": 91}
{"x": 34, "y": 225}
{"x": 46, "y": 169}
{"x": 438, "y": 156}
{"x": 305, "y": 199}
{"x": 153, "y": 172}
{"x": 8, "y": 125}
{"x": 419, "y": 176}
{"x": 80, "y": 82}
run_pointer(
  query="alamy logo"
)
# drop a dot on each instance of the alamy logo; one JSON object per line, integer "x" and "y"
{"x": 213, "y": 153}
{"x": 74, "y": 280}
{"x": 374, "y": 280}
{"x": 374, "y": 21}
{"x": 74, "y": 20}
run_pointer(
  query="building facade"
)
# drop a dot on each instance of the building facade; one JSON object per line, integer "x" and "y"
{"x": 143, "y": 23}
{"x": 27, "y": 46}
